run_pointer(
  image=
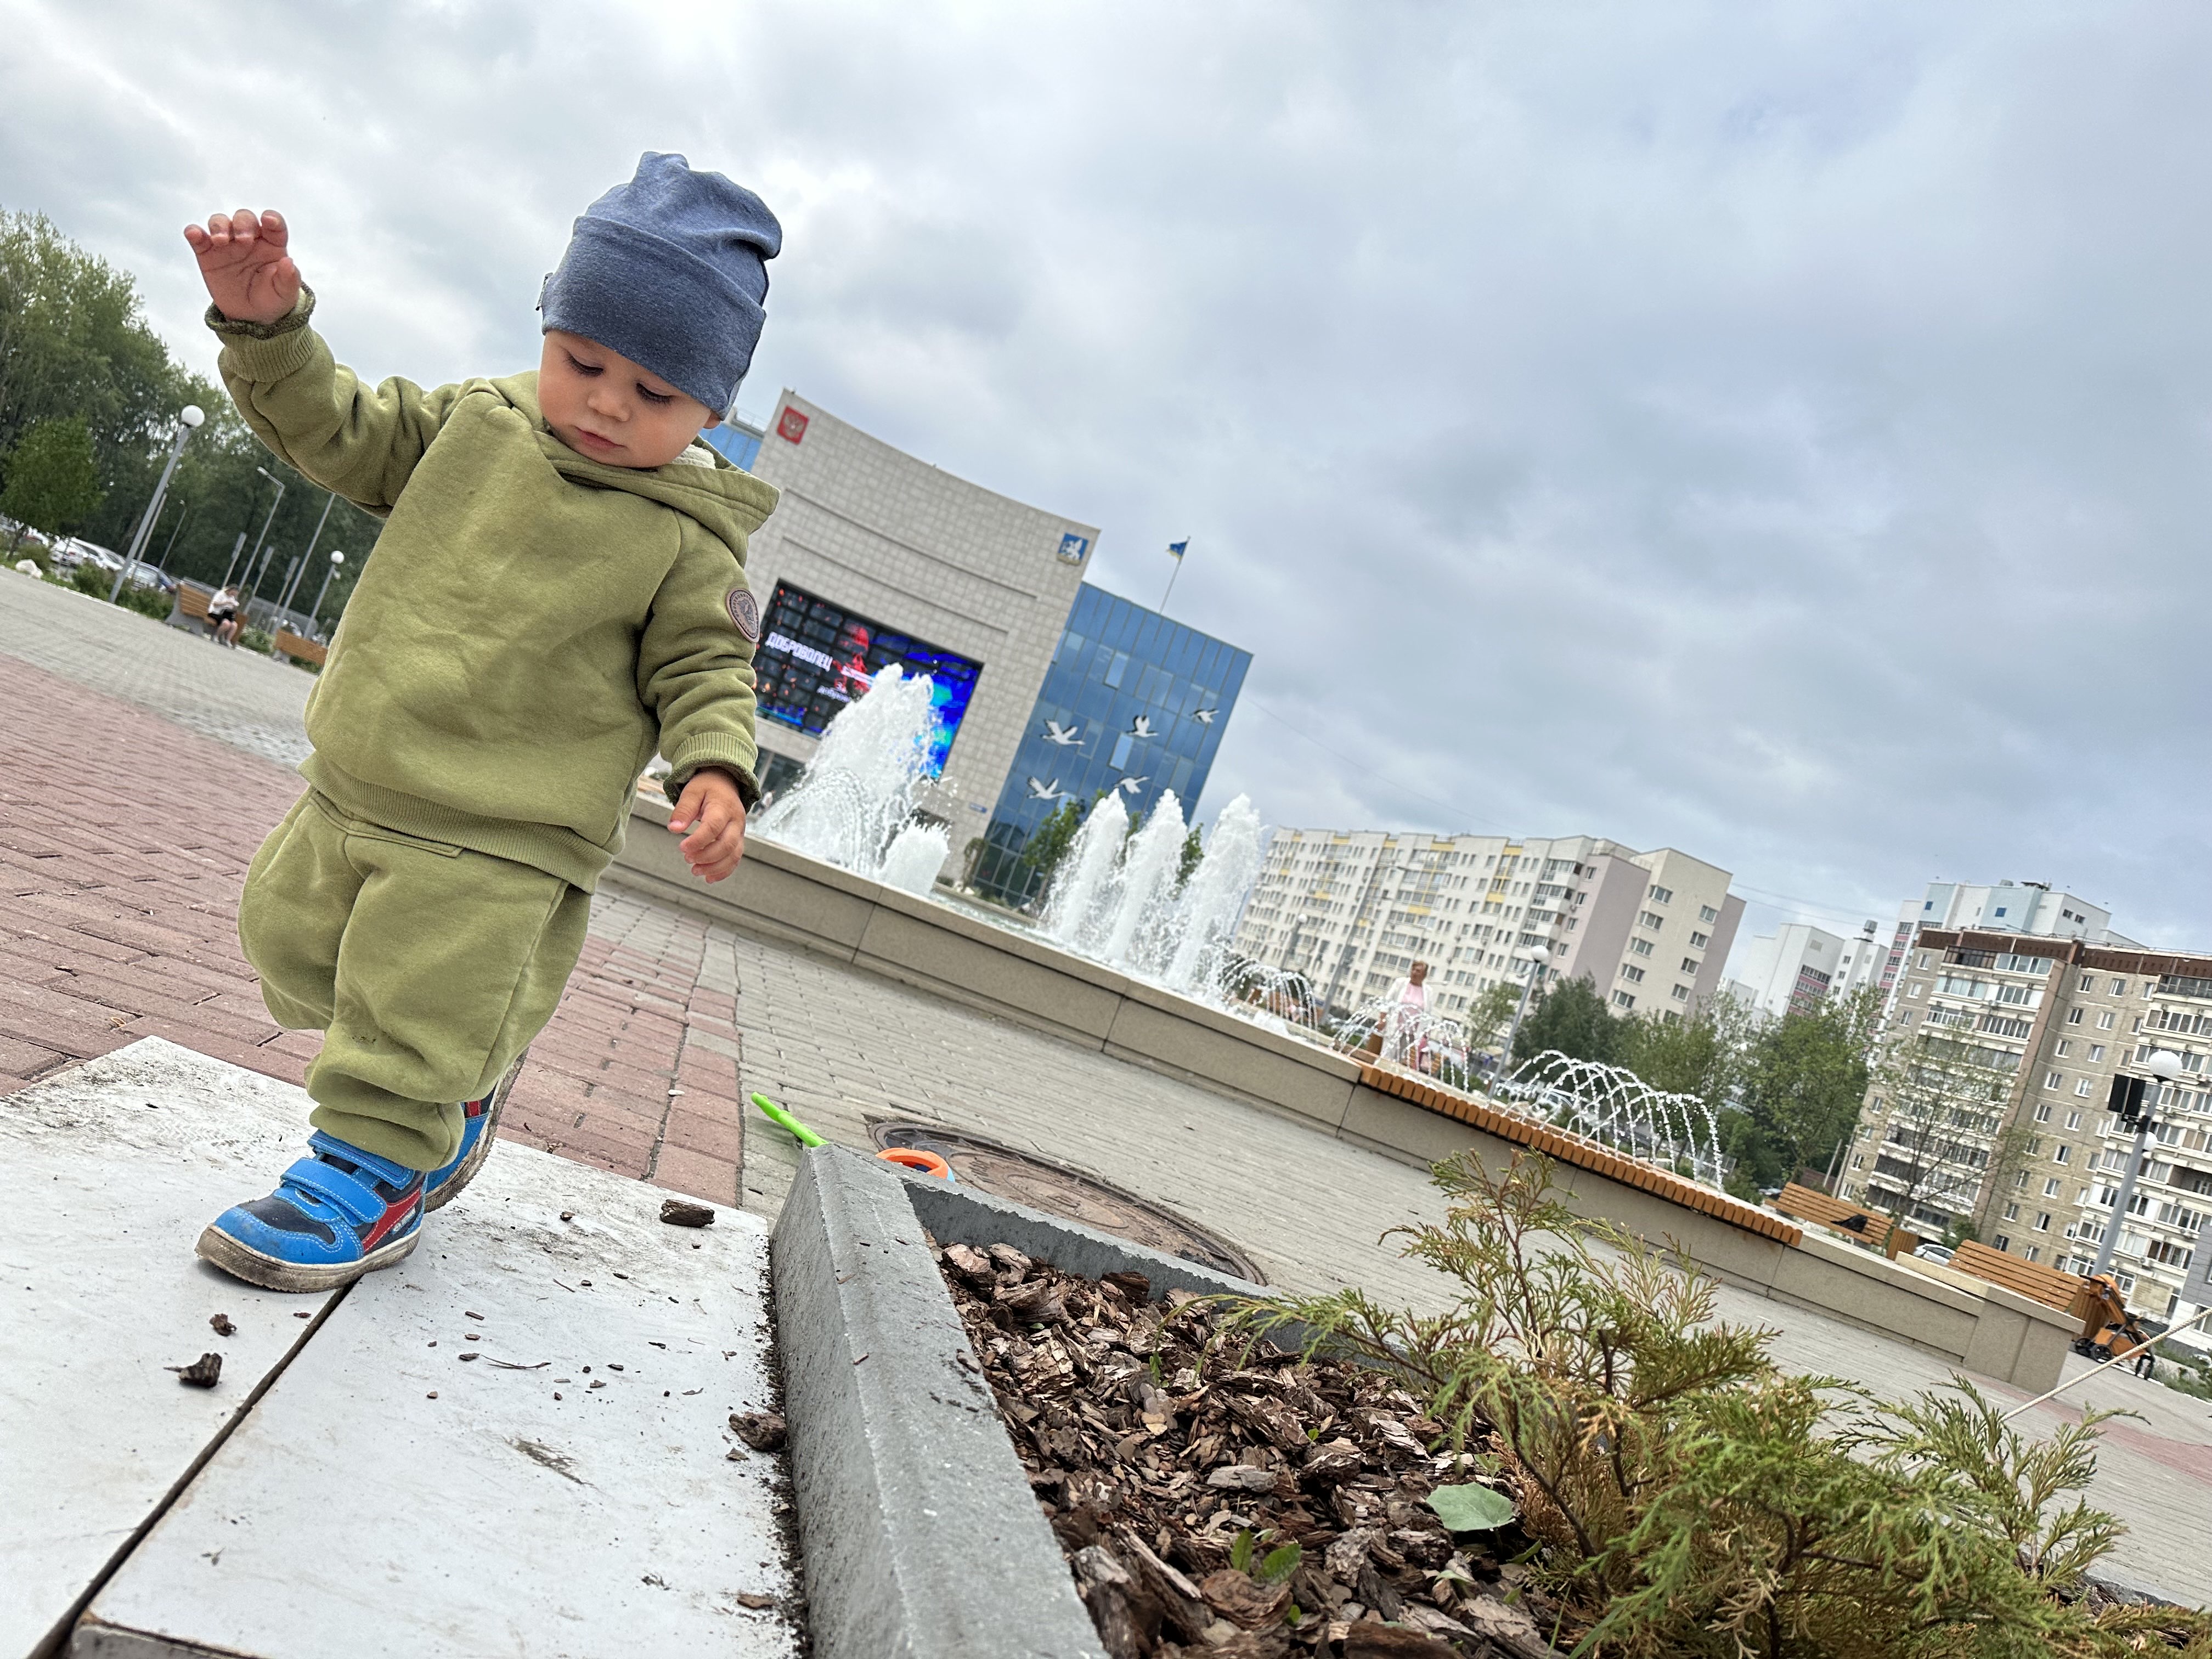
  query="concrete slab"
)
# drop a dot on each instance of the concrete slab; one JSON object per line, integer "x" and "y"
{"x": 108, "y": 1174}
{"x": 387, "y": 1495}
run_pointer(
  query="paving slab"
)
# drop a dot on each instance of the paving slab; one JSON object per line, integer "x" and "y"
{"x": 106, "y": 1176}
{"x": 566, "y": 1490}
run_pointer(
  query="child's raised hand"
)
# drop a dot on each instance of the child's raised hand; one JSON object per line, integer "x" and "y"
{"x": 249, "y": 275}
{"x": 715, "y": 813}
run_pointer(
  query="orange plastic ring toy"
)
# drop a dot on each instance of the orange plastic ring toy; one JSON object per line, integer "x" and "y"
{"x": 914, "y": 1158}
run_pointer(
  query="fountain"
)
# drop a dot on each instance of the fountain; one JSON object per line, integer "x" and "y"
{"x": 1079, "y": 888}
{"x": 1213, "y": 898}
{"x": 855, "y": 807}
{"x": 916, "y": 853}
{"x": 1118, "y": 898}
{"x": 1389, "y": 1029}
{"x": 1612, "y": 1104}
{"x": 1146, "y": 890}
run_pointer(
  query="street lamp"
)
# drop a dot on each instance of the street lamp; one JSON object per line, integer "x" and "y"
{"x": 1531, "y": 955}
{"x": 2134, "y": 1102}
{"x": 292, "y": 587}
{"x": 336, "y": 559}
{"x": 188, "y": 420}
{"x": 252, "y": 577}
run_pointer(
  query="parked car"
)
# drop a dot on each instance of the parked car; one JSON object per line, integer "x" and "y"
{"x": 73, "y": 551}
{"x": 1938, "y": 1254}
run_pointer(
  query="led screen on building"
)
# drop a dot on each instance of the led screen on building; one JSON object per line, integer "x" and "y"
{"x": 816, "y": 657}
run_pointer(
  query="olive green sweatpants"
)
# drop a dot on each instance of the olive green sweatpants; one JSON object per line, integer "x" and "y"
{"x": 428, "y": 968}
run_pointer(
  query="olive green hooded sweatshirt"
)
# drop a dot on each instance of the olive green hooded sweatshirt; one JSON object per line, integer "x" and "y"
{"x": 533, "y": 625}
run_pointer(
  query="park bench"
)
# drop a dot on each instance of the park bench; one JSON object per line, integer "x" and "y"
{"x": 188, "y": 610}
{"x": 2052, "y": 1287}
{"x": 1875, "y": 1229}
{"x": 296, "y": 644}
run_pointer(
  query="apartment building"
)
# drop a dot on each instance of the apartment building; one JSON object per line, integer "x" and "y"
{"x": 2037, "y": 1171}
{"x": 2005, "y": 906}
{"x": 1859, "y": 964}
{"x": 1791, "y": 970}
{"x": 1353, "y": 910}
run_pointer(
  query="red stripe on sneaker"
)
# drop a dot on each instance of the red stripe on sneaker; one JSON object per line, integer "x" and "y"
{"x": 393, "y": 1215}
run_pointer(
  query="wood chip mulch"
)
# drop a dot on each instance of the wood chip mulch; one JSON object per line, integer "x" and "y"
{"x": 1150, "y": 1452}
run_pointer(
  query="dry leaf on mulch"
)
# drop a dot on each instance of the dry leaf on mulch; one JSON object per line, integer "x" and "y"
{"x": 1275, "y": 1511}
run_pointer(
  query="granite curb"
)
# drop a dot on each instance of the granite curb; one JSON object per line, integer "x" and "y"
{"x": 920, "y": 1534}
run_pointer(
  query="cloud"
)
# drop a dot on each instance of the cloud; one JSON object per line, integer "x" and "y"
{"x": 1780, "y": 435}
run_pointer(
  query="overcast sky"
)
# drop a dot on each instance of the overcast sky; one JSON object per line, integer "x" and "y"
{"x": 1778, "y": 432}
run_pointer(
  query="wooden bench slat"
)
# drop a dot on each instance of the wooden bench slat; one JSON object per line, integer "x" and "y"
{"x": 295, "y": 645}
{"x": 2052, "y": 1286}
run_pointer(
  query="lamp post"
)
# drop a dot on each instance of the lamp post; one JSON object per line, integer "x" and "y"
{"x": 292, "y": 587}
{"x": 188, "y": 420}
{"x": 252, "y": 578}
{"x": 175, "y": 531}
{"x": 2142, "y": 1104}
{"x": 336, "y": 559}
{"x": 1531, "y": 955}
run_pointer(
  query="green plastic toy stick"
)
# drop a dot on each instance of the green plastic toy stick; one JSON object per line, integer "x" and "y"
{"x": 775, "y": 1113}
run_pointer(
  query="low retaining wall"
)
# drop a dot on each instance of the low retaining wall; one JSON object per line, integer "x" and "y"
{"x": 785, "y": 896}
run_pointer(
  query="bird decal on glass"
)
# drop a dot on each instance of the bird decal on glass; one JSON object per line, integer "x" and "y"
{"x": 1205, "y": 716}
{"x": 1064, "y": 736}
{"x": 1133, "y": 786}
{"x": 1142, "y": 727}
{"x": 1042, "y": 791}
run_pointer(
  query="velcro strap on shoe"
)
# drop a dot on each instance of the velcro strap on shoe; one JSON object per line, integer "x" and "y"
{"x": 391, "y": 1174}
{"x": 350, "y": 1196}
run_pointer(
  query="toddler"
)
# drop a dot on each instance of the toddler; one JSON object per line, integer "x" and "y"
{"x": 559, "y": 589}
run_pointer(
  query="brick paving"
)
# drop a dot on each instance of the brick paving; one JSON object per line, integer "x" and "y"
{"x": 123, "y": 839}
{"x": 123, "y": 842}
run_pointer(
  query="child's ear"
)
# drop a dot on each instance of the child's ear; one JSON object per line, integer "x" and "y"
{"x": 713, "y": 421}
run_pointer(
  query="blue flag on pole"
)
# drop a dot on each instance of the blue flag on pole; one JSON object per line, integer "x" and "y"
{"x": 1176, "y": 548}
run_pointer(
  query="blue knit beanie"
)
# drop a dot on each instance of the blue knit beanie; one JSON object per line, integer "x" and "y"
{"x": 669, "y": 270}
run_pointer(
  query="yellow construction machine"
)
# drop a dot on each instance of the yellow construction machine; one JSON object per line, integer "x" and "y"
{"x": 2108, "y": 1330}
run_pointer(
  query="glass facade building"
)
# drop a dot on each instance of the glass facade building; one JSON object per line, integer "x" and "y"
{"x": 739, "y": 439}
{"x": 1131, "y": 702}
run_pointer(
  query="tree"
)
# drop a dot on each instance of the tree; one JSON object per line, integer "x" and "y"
{"x": 1571, "y": 1017}
{"x": 1805, "y": 1076}
{"x": 1488, "y": 1015}
{"x": 1048, "y": 843}
{"x": 1932, "y": 1113}
{"x": 1193, "y": 849}
{"x": 52, "y": 481}
{"x": 1700, "y": 1054}
{"x": 73, "y": 346}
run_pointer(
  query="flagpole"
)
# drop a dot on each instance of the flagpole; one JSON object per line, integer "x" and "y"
{"x": 1173, "y": 573}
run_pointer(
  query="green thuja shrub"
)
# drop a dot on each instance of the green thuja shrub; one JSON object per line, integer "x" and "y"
{"x": 1689, "y": 1497}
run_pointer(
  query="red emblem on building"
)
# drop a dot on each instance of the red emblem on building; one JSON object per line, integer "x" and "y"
{"x": 792, "y": 427}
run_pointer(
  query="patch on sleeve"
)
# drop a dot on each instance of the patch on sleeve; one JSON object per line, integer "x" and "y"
{"x": 744, "y": 613}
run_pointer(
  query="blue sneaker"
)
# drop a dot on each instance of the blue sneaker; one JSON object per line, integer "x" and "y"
{"x": 337, "y": 1214}
{"x": 479, "y": 1119}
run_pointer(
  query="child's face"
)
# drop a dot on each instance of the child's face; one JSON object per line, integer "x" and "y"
{"x": 605, "y": 406}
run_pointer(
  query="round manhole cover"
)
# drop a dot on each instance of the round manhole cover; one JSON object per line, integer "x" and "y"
{"x": 1025, "y": 1178}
